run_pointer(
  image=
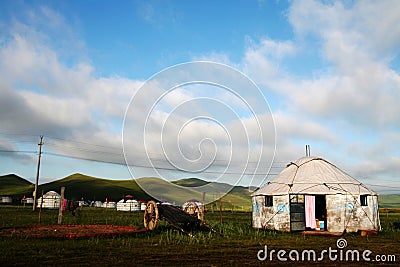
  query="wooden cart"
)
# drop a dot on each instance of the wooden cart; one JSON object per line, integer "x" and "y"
{"x": 175, "y": 216}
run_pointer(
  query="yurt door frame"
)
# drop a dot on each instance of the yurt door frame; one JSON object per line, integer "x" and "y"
{"x": 297, "y": 212}
{"x": 320, "y": 210}
{"x": 315, "y": 212}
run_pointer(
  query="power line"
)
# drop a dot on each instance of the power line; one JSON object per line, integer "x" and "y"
{"x": 160, "y": 167}
{"x": 135, "y": 165}
{"x": 81, "y": 142}
{"x": 153, "y": 167}
{"x": 80, "y": 148}
{"x": 17, "y": 151}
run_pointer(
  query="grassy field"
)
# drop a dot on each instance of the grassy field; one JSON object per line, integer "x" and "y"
{"x": 165, "y": 246}
{"x": 389, "y": 201}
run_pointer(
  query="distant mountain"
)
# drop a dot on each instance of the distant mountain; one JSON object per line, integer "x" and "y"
{"x": 190, "y": 182}
{"x": 12, "y": 184}
{"x": 79, "y": 186}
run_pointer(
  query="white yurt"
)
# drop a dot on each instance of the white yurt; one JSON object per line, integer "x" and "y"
{"x": 313, "y": 194}
{"x": 5, "y": 199}
{"x": 128, "y": 205}
{"x": 96, "y": 204}
{"x": 109, "y": 204}
{"x": 51, "y": 200}
{"x": 27, "y": 200}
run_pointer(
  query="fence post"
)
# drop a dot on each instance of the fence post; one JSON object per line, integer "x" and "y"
{"x": 40, "y": 211}
{"x": 61, "y": 205}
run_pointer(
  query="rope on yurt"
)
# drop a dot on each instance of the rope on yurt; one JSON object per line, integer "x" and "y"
{"x": 309, "y": 187}
{"x": 356, "y": 201}
{"x": 354, "y": 204}
{"x": 345, "y": 213}
{"x": 347, "y": 218}
{"x": 283, "y": 185}
{"x": 277, "y": 212}
{"x": 294, "y": 176}
{"x": 346, "y": 222}
{"x": 359, "y": 193}
{"x": 281, "y": 208}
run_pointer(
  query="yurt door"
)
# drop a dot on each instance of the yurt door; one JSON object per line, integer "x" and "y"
{"x": 297, "y": 214}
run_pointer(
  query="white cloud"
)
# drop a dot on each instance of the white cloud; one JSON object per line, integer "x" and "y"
{"x": 360, "y": 87}
{"x": 359, "y": 27}
{"x": 9, "y": 149}
{"x": 272, "y": 49}
{"x": 111, "y": 95}
{"x": 31, "y": 64}
{"x": 371, "y": 170}
{"x": 297, "y": 126}
{"x": 176, "y": 97}
{"x": 41, "y": 92}
{"x": 356, "y": 98}
{"x": 56, "y": 111}
{"x": 263, "y": 61}
{"x": 361, "y": 84}
{"x": 219, "y": 57}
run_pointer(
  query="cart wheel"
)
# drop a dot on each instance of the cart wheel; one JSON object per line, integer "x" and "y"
{"x": 193, "y": 209}
{"x": 151, "y": 215}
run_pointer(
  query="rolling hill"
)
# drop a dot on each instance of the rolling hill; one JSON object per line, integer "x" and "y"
{"x": 78, "y": 186}
{"x": 239, "y": 197}
{"x": 12, "y": 184}
{"x": 191, "y": 182}
{"x": 389, "y": 201}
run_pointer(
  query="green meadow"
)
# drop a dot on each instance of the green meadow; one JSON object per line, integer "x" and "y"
{"x": 166, "y": 246}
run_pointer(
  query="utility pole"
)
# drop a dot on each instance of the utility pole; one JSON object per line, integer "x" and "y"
{"x": 37, "y": 173}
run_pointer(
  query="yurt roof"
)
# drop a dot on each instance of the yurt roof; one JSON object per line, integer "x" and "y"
{"x": 311, "y": 175}
{"x": 51, "y": 194}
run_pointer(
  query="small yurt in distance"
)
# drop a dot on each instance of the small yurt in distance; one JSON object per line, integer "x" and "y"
{"x": 96, "y": 204}
{"x": 27, "y": 200}
{"x": 5, "y": 199}
{"x": 128, "y": 205}
{"x": 142, "y": 205}
{"x": 313, "y": 194}
{"x": 50, "y": 200}
{"x": 109, "y": 204}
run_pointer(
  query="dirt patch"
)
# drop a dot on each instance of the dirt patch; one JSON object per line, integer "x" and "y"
{"x": 69, "y": 231}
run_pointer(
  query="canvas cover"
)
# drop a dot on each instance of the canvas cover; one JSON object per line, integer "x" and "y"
{"x": 311, "y": 175}
{"x": 51, "y": 194}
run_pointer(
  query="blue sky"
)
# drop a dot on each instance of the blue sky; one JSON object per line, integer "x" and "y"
{"x": 329, "y": 71}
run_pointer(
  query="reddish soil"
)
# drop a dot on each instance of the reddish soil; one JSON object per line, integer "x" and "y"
{"x": 69, "y": 231}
